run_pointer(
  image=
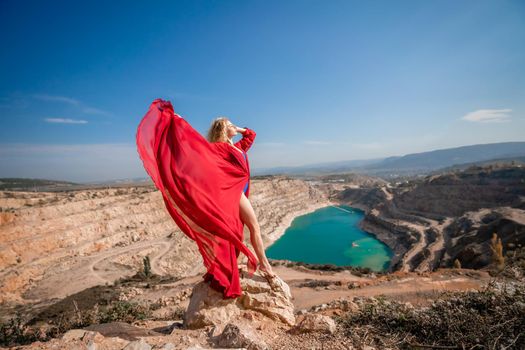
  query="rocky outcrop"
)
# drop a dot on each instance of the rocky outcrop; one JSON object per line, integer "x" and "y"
{"x": 364, "y": 198}
{"x": 207, "y": 306}
{"x": 417, "y": 219}
{"x": 454, "y": 194}
{"x": 471, "y": 233}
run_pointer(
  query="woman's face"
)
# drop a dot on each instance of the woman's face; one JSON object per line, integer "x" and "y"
{"x": 231, "y": 130}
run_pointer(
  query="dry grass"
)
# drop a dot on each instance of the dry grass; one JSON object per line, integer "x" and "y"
{"x": 493, "y": 318}
{"x": 19, "y": 332}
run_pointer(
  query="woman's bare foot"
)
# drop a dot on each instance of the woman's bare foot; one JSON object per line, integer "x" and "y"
{"x": 266, "y": 269}
{"x": 269, "y": 275}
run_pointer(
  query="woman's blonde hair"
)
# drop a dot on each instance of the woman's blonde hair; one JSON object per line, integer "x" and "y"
{"x": 218, "y": 131}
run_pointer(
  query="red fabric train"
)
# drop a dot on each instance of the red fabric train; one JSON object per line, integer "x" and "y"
{"x": 201, "y": 183}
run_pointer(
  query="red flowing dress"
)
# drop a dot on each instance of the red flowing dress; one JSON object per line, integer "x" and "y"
{"x": 201, "y": 183}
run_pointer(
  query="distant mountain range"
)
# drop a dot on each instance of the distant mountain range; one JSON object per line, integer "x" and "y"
{"x": 387, "y": 168}
{"x": 411, "y": 164}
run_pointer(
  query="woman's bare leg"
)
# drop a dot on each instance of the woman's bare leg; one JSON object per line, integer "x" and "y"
{"x": 249, "y": 219}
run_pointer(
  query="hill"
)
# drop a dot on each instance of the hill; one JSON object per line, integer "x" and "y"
{"x": 415, "y": 163}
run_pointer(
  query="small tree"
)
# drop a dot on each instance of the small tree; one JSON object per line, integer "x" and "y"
{"x": 497, "y": 252}
{"x": 457, "y": 264}
{"x": 147, "y": 266}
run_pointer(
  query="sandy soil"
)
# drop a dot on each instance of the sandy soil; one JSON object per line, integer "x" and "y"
{"x": 412, "y": 286}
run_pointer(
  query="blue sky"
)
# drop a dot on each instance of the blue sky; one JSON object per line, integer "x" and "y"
{"x": 317, "y": 80}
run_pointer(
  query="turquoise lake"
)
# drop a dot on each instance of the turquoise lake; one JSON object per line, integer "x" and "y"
{"x": 325, "y": 236}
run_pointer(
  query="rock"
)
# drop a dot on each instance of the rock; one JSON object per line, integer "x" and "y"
{"x": 173, "y": 327}
{"x": 130, "y": 294}
{"x": 199, "y": 348}
{"x": 274, "y": 304}
{"x": 207, "y": 306}
{"x": 74, "y": 334}
{"x": 409, "y": 305}
{"x": 317, "y": 308}
{"x": 88, "y": 337}
{"x": 122, "y": 330}
{"x": 213, "y": 331}
{"x": 248, "y": 315}
{"x": 353, "y": 285}
{"x": 302, "y": 312}
{"x": 167, "y": 346}
{"x": 138, "y": 345}
{"x": 279, "y": 285}
{"x": 348, "y": 305}
{"x": 315, "y": 323}
{"x": 240, "y": 336}
{"x": 91, "y": 339}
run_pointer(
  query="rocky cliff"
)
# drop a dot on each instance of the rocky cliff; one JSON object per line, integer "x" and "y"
{"x": 70, "y": 260}
{"x": 56, "y": 244}
{"x": 432, "y": 221}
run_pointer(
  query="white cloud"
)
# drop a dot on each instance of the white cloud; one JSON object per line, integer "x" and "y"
{"x": 65, "y": 121}
{"x": 488, "y": 116}
{"x": 63, "y": 99}
{"x": 72, "y": 102}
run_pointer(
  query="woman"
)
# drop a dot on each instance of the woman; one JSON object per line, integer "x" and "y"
{"x": 205, "y": 187}
{"x": 222, "y": 130}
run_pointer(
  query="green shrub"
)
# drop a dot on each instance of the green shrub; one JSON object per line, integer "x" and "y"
{"x": 125, "y": 311}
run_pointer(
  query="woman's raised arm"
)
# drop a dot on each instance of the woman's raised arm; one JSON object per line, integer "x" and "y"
{"x": 248, "y": 136}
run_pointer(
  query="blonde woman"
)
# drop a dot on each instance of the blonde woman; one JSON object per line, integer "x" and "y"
{"x": 205, "y": 185}
{"x": 222, "y": 130}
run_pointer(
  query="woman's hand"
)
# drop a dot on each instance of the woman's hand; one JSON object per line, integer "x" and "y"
{"x": 241, "y": 130}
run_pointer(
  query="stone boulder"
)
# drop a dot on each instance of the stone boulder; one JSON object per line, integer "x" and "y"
{"x": 207, "y": 306}
{"x": 138, "y": 345}
{"x": 315, "y": 323}
{"x": 240, "y": 336}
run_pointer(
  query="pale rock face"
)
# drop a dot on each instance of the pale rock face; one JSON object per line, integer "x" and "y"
{"x": 122, "y": 330}
{"x": 55, "y": 244}
{"x": 240, "y": 336}
{"x": 138, "y": 345}
{"x": 316, "y": 323}
{"x": 273, "y": 303}
{"x": 74, "y": 334}
{"x": 207, "y": 306}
